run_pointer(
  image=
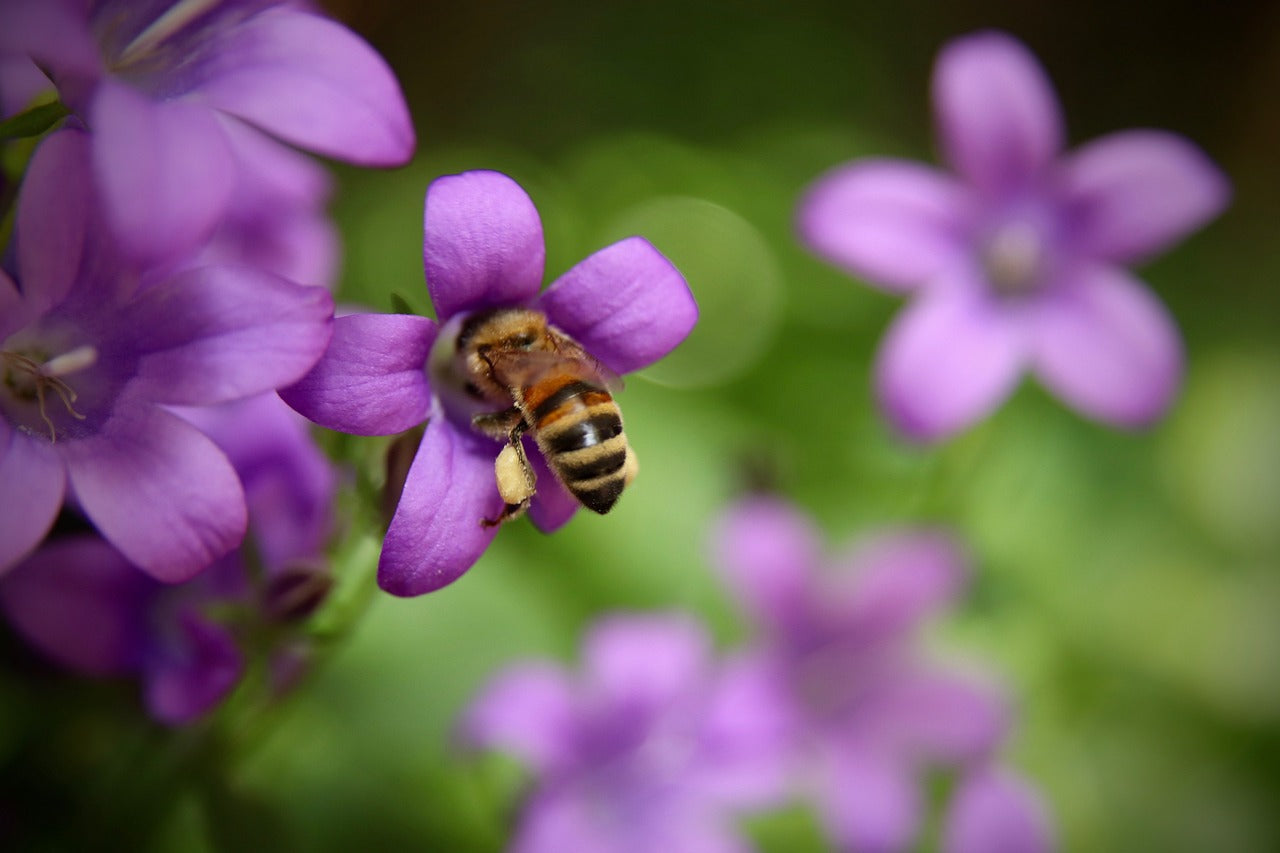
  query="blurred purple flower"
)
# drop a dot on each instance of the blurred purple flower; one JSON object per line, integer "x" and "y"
{"x": 166, "y": 86}
{"x": 655, "y": 747}
{"x": 88, "y": 357}
{"x": 1018, "y": 258}
{"x": 870, "y": 713}
{"x": 482, "y": 248}
{"x": 80, "y": 602}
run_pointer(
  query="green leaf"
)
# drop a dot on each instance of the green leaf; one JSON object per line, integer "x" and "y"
{"x": 34, "y": 121}
{"x": 400, "y": 305}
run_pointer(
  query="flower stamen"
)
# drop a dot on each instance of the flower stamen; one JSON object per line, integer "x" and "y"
{"x": 30, "y": 380}
{"x": 1013, "y": 258}
{"x": 174, "y": 19}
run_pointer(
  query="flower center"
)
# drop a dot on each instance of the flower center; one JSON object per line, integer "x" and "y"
{"x": 34, "y": 380}
{"x": 173, "y": 20}
{"x": 1013, "y": 258}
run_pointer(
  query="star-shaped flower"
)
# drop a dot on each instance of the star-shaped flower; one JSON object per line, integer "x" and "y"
{"x": 655, "y": 746}
{"x": 871, "y": 714}
{"x": 1017, "y": 259}
{"x": 626, "y": 305}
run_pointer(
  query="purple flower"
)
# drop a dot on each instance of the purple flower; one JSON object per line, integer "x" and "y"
{"x": 80, "y": 602}
{"x": 1018, "y": 258}
{"x": 870, "y": 713}
{"x": 88, "y": 357}
{"x": 653, "y": 748}
{"x": 165, "y": 86}
{"x": 483, "y": 249}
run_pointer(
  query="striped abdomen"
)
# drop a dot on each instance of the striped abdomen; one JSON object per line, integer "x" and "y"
{"x": 578, "y": 428}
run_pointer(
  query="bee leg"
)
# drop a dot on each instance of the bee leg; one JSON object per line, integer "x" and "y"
{"x": 517, "y": 482}
{"x": 498, "y": 425}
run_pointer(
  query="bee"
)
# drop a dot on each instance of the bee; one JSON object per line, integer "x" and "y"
{"x": 555, "y": 391}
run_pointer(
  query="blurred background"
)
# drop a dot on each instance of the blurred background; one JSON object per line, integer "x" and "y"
{"x": 1126, "y": 586}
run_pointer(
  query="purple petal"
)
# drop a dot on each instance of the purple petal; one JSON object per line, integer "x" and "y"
{"x": 767, "y": 552}
{"x": 52, "y": 33}
{"x": 626, "y": 304}
{"x": 372, "y": 378}
{"x": 899, "y": 579}
{"x": 79, "y": 602}
{"x": 158, "y": 490}
{"x": 868, "y": 801}
{"x": 948, "y": 360}
{"x": 892, "y": 222}
{"x": 646, "y": 661}
{"x": 194, "y": 672}
{"x": 1108, "y": 347}
{"x": 1130, "y": 195}
{"x": 747, "y": 738}
{"x": 13, "y": 314}
{"x": 34, "y": 481}
{"x": 482, "y": 243}
{"x": 998, "y": 118}
{"x": 313, "y": 83}
{"x": 269, "y": 172}
{"x": 288, "y": 482}
{"x": 552, "y": 506}
{"x": 164, "y": 169}
{"x": 436, "y": 534}
{"x": 937, "y": 716}
{"x": 528, "y": 711}
{"x": 214, "y": 334}
{"x": 993, "y": 811}
{"x": 53, "y": 214}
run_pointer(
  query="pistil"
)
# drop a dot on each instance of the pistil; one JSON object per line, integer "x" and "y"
{"x": 31, "y": 380}
{"x": 1013, "y": 258}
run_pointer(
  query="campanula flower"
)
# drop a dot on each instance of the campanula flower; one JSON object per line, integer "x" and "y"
{"x": 1016, "y": 258}
{"x": 655, "y": 746}
{"x": 871, "y": 713}
{"x": 80, "y": 602}
{"x": 482, "y": 249}
{"x": 165, "y": 87}
{"x": 89, "y": 359}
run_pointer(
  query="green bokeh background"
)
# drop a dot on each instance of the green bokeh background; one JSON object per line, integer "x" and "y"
{"x": 1125, "y": 586}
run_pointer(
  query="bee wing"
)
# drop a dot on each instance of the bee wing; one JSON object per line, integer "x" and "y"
{"x": 568, "y": 348}
{"x": 523, "y": 367}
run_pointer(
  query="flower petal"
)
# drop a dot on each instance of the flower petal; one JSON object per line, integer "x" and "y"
{"x": 998, "y": 118}
{"x": 1129, "y": 195}
{"x": 313, "y": 83}
{"x": 194, "y": 673}
{"x": 552, "y": 506}
{"x": 645, "y": 661}
{"x": 482, "y": 243}
{"x": 993, "y": 811}
{"x": 947, "y": 360}
{"x": 54, "y": 34}
{"x": 1108, "y": 347}
{"x": 899, "y": 579}
{"x": 436, "y": 533}
{"x": 214, "y": 334}
{"x": 936, "y": 716}
{"x": 626, "y": 304}
{"x": 528, "y": 711}
{"x": 80, "y": 603}
{"x": 893, "y": 222}
{"x": 32, "y": 483}
{"x": 164, "y": 169}
{"x": 767, "y": 552}
{"x": 868, "y": 801}
{"x": 158, "y": 490}
{"x": 53, "y": 215}
{"x": 372, "y": 378}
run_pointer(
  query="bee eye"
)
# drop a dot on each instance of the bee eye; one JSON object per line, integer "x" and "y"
{"x": 523, "y": 340}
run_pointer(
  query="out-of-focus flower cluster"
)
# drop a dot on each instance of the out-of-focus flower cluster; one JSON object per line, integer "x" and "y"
{"x": 171, "y": 256}
{"x": 660, "y": 744}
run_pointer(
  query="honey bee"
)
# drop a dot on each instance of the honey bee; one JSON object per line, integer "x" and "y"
{"x": 555, "y": 391}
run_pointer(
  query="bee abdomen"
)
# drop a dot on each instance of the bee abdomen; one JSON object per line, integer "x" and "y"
{"x": 588, "y": 452}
